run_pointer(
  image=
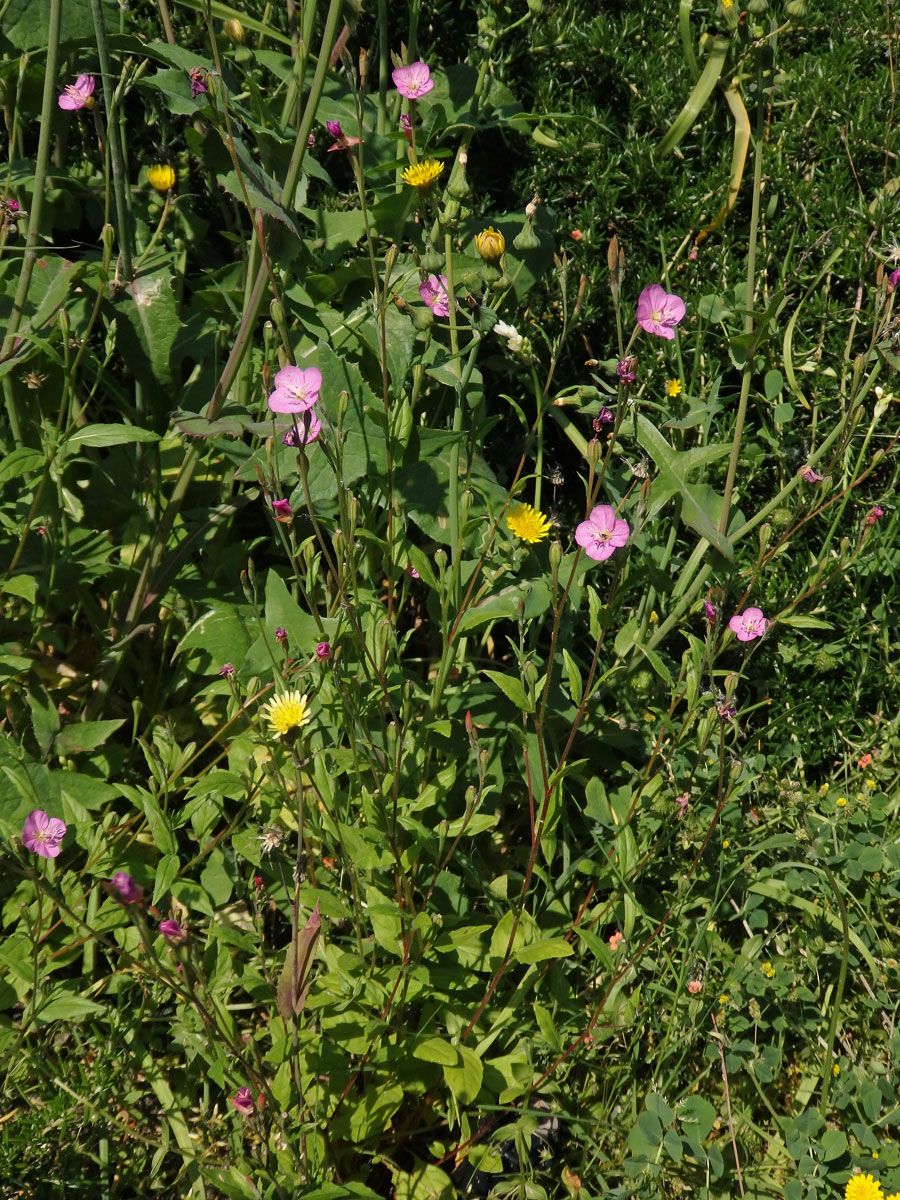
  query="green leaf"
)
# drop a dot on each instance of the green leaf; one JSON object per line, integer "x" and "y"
{"x": 512, "y": 688}
{"x": 436, "y": 1050}
{"x": 799, "y": 621}
{"x": 63, "y": 1006}
{"x": 703, "y": 89}
{"x": 464, "y": 1079}
{"x": 576, "y": 686}
{"x": 424, "y": 1182}
{"x": 21, "y": 461}
{"x": 110, "y": 435}
{"x": 20, "y": 585}
{"x": 675, "y": 467}
{"x": 84, "y": 736}
{"x": 165, "y": 876}
{"x": 546, "y": 948}
{"x": 773, "y": 384}
{"x": 148, "y": 327}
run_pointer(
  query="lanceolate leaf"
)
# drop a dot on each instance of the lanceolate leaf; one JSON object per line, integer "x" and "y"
{"x": 675, "y": 466}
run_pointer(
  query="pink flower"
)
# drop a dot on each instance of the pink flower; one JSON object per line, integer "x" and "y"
{"x": 79, "y": 94}
{"x": 602, "y": 533}
{"x": 280, "y": 634}
{"x": 282, "y": 510}
{"x": 413, "y": 81}
{"x": 305, "y": 432}
{"x": 42, "y": 834}
{"x": 748, "y": 625}
{"x": 129, "y": 892}
{"x": 695, "y": 986}
{"x": 243, "y": 1101}
{"x": 227, "y": 670}
{"x": 406, "y": 126}
{"x": 323, "y": 651}
{"x": 873, "y": 514}
{"x": 605, "y": 416}
{"x": 659, "y": 311}
{"x": 434, "y": 293}
{"x": 893, "y": 280}
{"x": 683, "y": 801}
{"x": 412, "y": 572}
{"x": 808, "y": 475}
{"x": 172, "y": 931}
{"x": 296, "y": 389}
{"x": 712, "y": 613}
{"x": 616, "y": 940}
{"x": 341, "y": 141}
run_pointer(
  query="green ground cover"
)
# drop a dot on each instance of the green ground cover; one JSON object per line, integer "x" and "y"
{"x": 449, "y": 600}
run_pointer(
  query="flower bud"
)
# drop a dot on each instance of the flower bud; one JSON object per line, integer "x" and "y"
{"x": 526, "y": 239}
{"x": 490, "y": 244}
{"x": 342, "y": 405}
{"x": 234, "y": 31}
{"x": 458, "y": 186}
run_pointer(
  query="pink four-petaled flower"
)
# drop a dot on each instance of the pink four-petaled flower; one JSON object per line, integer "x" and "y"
{"x": 79, "y": 94}
{"x": 659, "y": 311}
{"x": 42, "y": 834}
{"x": 602, "y": 533}
{"x": 296, "y": 389}
{"x": 433, "y": 292}
{"x": 172, "y": 931}
{"x": 305, "y": 432}
{"x": 413, "y": 81}
{"x": 748, "y": 625}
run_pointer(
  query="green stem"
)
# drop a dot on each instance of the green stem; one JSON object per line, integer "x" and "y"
{"x": 747, "y": 374}
{"x": 113, "y": 137}
{"x": 48, "y": 108}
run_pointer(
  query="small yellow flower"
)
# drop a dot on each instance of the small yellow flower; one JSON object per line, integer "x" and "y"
{"x": 871, "y": 785}
{"x": 823, "y": 790}
{"x": 727, "y": 3}
{"x": 287, "y": 712}
{"x": 835, "y": 1070}
{"x": 490, "y": 244}
{"x": 860, "y": 795}
{"x": 863, "y": 1187}
{"x": 422, "y": 175}
{"x": 723, "y": 999}
{"x": 841, "y": 802}
{"x": 875, "y": 1154}
{"x": 528, "y": 523}
{"x": 768, "y": 970}
{"x": 161, "y": 177}
{"x": 673, "y": 388}
{"x": 654, "y": 617}
{"x": 726, "y": 844}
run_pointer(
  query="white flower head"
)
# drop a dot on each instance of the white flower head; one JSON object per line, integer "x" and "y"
{"x": 512, "y": 335}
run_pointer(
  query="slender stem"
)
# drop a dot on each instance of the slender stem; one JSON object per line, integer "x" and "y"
{"x": 748, "y": 319}
{"x": 48, "y": 108}
{"x": 113, "y": 137}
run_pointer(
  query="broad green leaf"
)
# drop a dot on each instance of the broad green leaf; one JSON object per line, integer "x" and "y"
{"x": 165, "y": 876}
{"x": 21, "y": 461}
{"x": 512, "y": 688}
{"x": 464, "y": 1079}
{"x": 24, "y": 586}
{"x": 436, "y": 1050}
{"x": 424, "y": 1182}
{"x": 63, "y": 1006}
{"x": 85, "y": 735}
{"x": 110, "y": 435}
{"x": 675, "y": 468}
{"x": 546, "y": 948}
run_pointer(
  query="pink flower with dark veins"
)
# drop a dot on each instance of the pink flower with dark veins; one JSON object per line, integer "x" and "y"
{"x": 413, "y": 81}
{"x": 659, "y": 311}
{"x": 433, "y": 292}
{"x": 79, "y": 94}
{"x": 602, "y": 533}
{"x": 42, "y": 834}
{"x": 296, "y": 389}
{"x": 748, "y": 625}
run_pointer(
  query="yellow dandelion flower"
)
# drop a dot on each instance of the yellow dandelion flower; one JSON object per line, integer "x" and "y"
{"x": 673, "y": 388}
{"x": 161, "y": 177}
{"x": 841, "y": 802}
{"x": 490, "y": 244}
{"x": 422, "y": 175}
{"x": 894, "y": 1196}
{"x": 863, "y": 1187}
{"x": 234, "y": 30}
{"x": 287, "y": 712}
{"x": 528, "y": 523}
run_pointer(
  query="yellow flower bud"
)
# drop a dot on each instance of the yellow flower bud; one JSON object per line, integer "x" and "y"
{"x": 490, "y": 244}
{"x": 234, "y": 31}
{"x": 161, "y": 177}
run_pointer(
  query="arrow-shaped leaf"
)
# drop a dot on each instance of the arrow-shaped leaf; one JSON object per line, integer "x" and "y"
{"x": 674, "y": 468}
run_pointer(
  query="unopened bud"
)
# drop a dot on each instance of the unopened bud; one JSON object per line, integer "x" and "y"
{"x": 234, "y": 31}
{"x": 458, "y": 186}
{"x": 593, "y": 452}
{"x": 342, "y": 405}
{"x": 526, "y": 238}
{"x": 555, "y": 556}
{"x": 490, "y": 244}
{"x": 440, "y": 559}
{"x": 531, "y": 674}
{"x": 108, "y": 237}
{"x": 390, "y": 261}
